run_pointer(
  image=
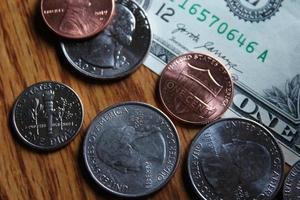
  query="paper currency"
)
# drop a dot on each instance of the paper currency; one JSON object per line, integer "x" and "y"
{"x": 257, "y": 40}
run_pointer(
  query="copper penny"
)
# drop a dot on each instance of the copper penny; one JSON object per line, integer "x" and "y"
{"x": 195, "y": 88}
{"x": 77, "y": 19}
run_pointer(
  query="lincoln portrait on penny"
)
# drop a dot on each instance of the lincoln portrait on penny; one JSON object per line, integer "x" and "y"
{"x": 107, "y": 50}
{"x": 78, "y": 18}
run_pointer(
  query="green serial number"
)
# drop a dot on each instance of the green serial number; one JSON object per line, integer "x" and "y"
{"x": 203, "y": 15}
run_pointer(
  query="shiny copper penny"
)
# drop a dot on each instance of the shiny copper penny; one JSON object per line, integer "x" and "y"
{"x": 77, "y": 18}
{"x": 195, "y": 88}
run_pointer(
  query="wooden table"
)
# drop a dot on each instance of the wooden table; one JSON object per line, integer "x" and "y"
{"x": 29, "y": 53}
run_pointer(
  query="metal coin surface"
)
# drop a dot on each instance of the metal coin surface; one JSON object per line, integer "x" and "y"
{"x": 77, "y": 19}
{"x": 131, "y": 149}
{"x": 291, "y": 188}
{"x": 47, "y": 115}
{"x": 195, "y": 88}
{"x": 118, "y": 50}
{"x": 235, "y": 159}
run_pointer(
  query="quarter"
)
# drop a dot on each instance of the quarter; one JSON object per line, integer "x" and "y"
{"x": 131, "y": 149}
{"x": 235, "y": 159}
{"x": 291, "y": 188}
{"x": 118, "y": 50}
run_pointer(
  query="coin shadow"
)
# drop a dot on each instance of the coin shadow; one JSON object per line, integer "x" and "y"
{"x": 41, "y": 28}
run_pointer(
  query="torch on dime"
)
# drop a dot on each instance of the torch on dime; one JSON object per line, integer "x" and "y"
{"x": 47, "y": 115}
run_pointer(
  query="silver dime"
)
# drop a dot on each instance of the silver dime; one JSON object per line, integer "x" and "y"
{"x": 47, "y": 115}
{"x": 131, "y": 149}
{"x": 291, "y": 188}
{"x": 235, "y": 159}
{"x": 118, "y": 50}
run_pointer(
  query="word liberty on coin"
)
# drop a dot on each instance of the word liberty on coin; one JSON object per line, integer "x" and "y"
{"x": 131, "y": 149}
{"x": 195, "y": 88}
{"x": 77, "y": 18}
{"x": 235, "y": 159}
{"x": 118, "y": 50}
{"x": 47, "y": 115}
{"x": 291, "y": 188}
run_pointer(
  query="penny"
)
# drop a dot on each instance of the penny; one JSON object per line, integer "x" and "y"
{"x": 47, "y": 115}
{"x": 118, "y": 50}
{"x": 195, "y": 88}
{"x": 131, "y": 149}
{"x": 77, "y": 19}
{"x": 291, "y": 188}
{"x": 235, "y": 159}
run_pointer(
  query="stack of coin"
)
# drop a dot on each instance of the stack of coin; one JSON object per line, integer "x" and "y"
{"x": 115, "y": 36}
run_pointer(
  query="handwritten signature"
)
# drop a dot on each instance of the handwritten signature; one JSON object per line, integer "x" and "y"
{"x": 209, "y": 46}
{"x": 181, "y": 28}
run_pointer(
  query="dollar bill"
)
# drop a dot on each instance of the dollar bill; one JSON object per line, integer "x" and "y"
{"x": 257, "y": 40}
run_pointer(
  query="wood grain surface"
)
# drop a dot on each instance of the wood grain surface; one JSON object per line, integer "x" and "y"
{"x": 29, "y": 53}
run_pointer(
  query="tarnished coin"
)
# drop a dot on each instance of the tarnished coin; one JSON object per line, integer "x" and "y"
{"x": 291, "y": 188}
{"x": 195, "y": 88}
{"x": 77, "y": 18}
{"x": 235, "y": 159}
{"x": 47, "y": 115}
{"x": 131, "y": 149}
{"x": 118, "y": 50}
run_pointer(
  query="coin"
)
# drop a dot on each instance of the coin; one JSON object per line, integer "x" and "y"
{"x": 195, "y": 88}
{"x": 235, "y": 159}
{"x": 118, "y": 50}
{"x": 291, "y": 188}
{"x": 77, "y": 19}
{"x": 47, "y": 115}
{"x": 131, "y": 149}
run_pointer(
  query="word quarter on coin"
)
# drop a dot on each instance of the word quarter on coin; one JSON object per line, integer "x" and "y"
{"x": 47, "y": 115}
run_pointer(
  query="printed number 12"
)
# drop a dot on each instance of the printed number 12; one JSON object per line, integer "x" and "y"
{"x": 167, "y": 13}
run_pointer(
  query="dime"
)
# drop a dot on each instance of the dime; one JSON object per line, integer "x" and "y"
{"x": 235, "y": 159}
{"x": 77, "y": 18}
{"x": 195, "y": 88}
{"x": 47, "y": 115}
{"x": 118, "y": 50}
{"x": 291, "y": 188}
{"x": 131, "y": 149}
